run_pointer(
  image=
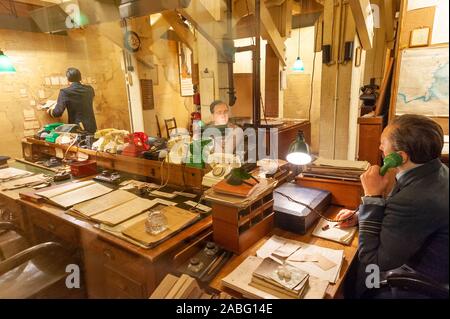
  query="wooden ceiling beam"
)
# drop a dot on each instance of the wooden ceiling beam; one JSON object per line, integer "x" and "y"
{"x": 181, "y": 29}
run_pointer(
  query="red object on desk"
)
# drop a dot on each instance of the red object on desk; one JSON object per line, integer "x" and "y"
{"x": 84, "y": 168}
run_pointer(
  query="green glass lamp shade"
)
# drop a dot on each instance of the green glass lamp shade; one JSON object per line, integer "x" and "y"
{"x": 5, "y": 64}
{"x": 298, "y": 152}
{"x": 298, "y": 65}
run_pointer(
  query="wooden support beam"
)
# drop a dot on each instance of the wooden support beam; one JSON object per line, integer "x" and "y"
{"x": 362, "y": 13}
{"x": 388, "y": 12}
{"x": 182, "y": 30}
{"x": 272, "y": 87}
{"x": 269, "y": 28}
{"x": 286, "y": 18}
{"x": 214, "y": 31}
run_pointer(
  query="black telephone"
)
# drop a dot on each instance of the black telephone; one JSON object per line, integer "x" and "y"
{"x": 108, "y": 177}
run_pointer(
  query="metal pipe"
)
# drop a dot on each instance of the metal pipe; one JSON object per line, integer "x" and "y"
{"x": 230, "y": 57}
{"x": 256, "y": 67}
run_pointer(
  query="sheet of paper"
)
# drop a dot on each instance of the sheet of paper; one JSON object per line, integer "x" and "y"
{"x": 286, "y": 250}
{"x": 163, "y": 194}
{"x": 419, "y": 4}
{"x": 54, "y": 80}
{"x": 28, "y": 114}
{"x": 440, "y": 24}
{"x": 64, "y": 189}
{"x": 103, "y": 203}
{"x": 79, "y": 195}
{"x": 270, "y": 246}
{"x": 329, "y": 230}
{"x": 198, "y": 205}
{"x": 330, "y": 274}
{"x": 12, "y": 173}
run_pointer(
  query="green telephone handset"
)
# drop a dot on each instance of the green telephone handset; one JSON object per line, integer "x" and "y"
{"x": 391, "y": 161}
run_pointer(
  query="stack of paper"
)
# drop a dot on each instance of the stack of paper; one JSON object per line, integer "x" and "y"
{"x": 73, "y": 193}
{"x": 337, "y": 169}
{"x": 320, "y": 262}
{"x": 331, "y": 231}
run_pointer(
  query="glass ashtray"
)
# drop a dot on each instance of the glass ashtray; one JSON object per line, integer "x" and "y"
{"x": 156, "y": 222}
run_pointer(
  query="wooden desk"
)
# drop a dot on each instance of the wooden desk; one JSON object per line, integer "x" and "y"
{"x": 333, "y": 290}
{"x": 111, "y": 267}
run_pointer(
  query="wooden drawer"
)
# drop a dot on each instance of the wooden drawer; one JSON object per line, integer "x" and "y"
{"x": 115, "y": 256}
{"x": 119, "y": 285}
{"x": 60, "y": 229}
{"x": 10, "y": 211}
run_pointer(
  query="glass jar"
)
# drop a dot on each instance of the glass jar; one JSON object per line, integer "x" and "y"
{"x": 156, "y": 222}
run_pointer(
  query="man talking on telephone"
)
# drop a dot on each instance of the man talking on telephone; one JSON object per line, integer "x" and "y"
{"x": 410, "y": 225}
{"x": 77, "y": 98}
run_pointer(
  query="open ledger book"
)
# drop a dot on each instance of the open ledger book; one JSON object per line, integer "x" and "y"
{"x": 73, "y": 193}
{"x": 113, "y": 208}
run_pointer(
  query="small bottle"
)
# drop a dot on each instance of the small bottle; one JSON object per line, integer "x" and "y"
{"x": 156, "y": 222}
{"x": 195, "y": 265}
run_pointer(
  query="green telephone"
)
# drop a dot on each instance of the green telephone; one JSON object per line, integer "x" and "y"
{"x": 392, "y": 160}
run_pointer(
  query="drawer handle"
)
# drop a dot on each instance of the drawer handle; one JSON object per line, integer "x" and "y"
{"x": 108, "y": 253}
{"x": 51, "y": 226}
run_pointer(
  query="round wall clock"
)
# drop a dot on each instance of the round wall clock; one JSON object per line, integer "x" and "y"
{"x": 132, "y": 41}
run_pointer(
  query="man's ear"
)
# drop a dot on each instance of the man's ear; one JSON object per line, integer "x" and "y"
{"x": 404, "y": 156}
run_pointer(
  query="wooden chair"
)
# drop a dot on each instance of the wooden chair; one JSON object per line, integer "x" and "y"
{"x": 12, "y": 240}
{"x": 34, "y": 272}
{"x": 171, "y": 124}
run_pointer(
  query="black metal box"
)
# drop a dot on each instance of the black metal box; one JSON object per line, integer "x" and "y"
{"x": 295, "y": 217}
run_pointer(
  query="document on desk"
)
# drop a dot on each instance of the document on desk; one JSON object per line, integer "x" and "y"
{"x": 68, "y": 195}
{"x": 323, "y": 263}
{"x": 331, "y": 231}
{"x": 10, "y": 173}
{"x": 23, "y": 182}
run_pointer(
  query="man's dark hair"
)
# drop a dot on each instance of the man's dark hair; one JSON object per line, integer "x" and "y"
{"x": 215, "y": 103}
{"x": 419, "y": 136}
{"x": 73, "y": 75}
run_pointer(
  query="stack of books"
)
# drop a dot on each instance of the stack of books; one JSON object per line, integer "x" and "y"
{"x": 336, "y": 169}
{"x": 283, "y": 281}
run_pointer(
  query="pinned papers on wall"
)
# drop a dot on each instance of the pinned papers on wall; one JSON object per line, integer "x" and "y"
{"x": 23, "y": 92}
{"x": 47, "y": 81}
{"x": 29, "y": 125}
{"x": 41, "y": 94}
{"x": 54, "y": 80}
{"x": 32, "y": 103}
{"x": 28, "y": 114}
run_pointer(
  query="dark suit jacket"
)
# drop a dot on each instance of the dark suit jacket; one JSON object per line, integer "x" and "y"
{"x": 77, "y": 98}
{"x": 412, "y": 228}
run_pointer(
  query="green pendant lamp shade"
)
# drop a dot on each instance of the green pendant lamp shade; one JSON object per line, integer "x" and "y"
{"x": 298, "y": 152}
{"x": 298, "y": 64}
{"x": 5, "y": 64}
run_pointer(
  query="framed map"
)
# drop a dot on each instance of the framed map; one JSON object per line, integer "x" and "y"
{"x": 423, "y": 82}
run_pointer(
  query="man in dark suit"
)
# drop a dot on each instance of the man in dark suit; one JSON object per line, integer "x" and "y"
{"x": 77, "y": 98}
{"x": 410, "y": 226}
